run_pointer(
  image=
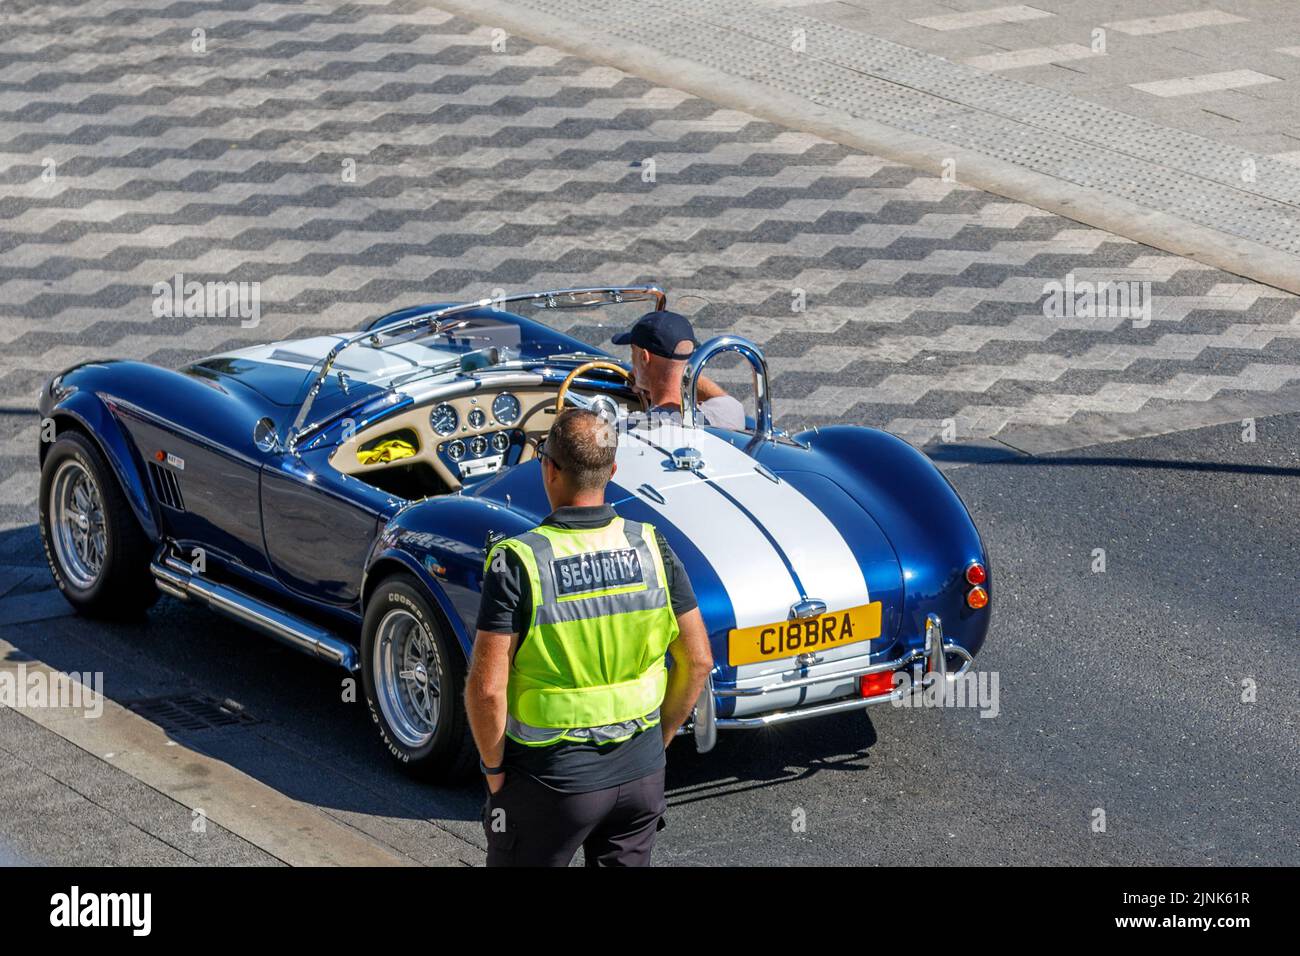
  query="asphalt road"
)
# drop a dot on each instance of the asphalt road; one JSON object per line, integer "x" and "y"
{"x": 1119, "y": 691}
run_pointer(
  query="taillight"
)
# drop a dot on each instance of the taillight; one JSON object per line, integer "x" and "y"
{"x": 977, "y": 597}
{"x": 975, "y": 574}
{"x": 873, "y": 685}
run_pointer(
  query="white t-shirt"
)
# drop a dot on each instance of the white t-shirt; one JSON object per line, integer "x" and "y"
{"x": 724, "y": 411}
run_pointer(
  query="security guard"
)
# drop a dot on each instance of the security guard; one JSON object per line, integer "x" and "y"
{"x": 568, "y": 696}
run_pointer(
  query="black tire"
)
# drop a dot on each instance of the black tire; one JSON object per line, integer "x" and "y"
{"x": 449, "y": 753}
{"x": 123, "y": 586}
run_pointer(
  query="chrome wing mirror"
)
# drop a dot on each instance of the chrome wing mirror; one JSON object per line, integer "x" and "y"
{"x": 265, "y": 437}
{"x": 762, "y": 390}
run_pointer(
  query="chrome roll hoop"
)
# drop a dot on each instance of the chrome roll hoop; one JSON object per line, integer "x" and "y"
{"x": 762, "y": 390}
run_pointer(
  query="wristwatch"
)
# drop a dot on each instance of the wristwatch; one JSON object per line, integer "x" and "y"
{"x": 490, "y": 771}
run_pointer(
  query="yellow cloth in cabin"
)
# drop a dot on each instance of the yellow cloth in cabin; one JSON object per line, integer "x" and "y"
{"x": 390, "y": 450}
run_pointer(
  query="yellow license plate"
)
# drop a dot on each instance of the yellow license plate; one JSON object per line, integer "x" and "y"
{"x": 770, "y": 642}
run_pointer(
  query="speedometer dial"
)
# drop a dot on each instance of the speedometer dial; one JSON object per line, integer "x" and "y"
{"x": 505, "y": 409}
{"x": 444, "y": 419}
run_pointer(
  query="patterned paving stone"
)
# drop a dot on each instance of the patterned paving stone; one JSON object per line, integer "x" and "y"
{"x": 354, "y": 157}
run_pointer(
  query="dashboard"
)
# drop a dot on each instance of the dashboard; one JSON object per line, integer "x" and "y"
{"x": 463, "y": 438}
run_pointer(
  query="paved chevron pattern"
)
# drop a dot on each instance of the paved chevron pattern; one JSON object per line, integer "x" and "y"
{"x": 476, "y": 161}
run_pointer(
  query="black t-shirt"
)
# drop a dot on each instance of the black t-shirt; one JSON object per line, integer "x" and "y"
{"x": 507, "y": 608}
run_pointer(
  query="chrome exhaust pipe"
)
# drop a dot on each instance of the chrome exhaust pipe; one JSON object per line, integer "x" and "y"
{"x": 176, "y": 578}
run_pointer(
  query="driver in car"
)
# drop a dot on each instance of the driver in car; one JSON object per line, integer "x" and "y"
{"x": 661, "y": 343}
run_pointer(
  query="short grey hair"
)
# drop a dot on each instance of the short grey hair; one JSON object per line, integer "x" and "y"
{"x": 583, "y": 444}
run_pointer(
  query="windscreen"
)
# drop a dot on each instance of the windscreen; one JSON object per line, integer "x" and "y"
{"x": 394, "y": 357}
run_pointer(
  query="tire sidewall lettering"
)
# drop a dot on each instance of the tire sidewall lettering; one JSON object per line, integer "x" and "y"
{"x": 394, "y": 599}
{"x": 58, "y": 455}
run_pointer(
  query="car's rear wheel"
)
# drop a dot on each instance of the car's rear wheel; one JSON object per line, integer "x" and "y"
{"x": 95, "y": 548}
{"x": 414, "y": 678}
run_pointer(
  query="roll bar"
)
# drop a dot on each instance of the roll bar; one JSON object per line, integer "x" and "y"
{"x": 762, "y": 390}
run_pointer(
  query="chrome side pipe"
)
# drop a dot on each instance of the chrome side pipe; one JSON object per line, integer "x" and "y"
{"x": 176, "y": 578}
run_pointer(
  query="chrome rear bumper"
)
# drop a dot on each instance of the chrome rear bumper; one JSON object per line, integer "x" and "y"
{"x": 705, "y": 722}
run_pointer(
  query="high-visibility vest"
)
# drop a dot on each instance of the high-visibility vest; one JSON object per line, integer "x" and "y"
{"x": 590, "y": 664}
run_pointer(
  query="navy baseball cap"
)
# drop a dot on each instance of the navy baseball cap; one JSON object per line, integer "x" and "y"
{"x": 660, "y": 333}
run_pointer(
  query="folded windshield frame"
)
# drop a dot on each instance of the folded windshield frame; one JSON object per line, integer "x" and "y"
{"x": 437, "y": 321}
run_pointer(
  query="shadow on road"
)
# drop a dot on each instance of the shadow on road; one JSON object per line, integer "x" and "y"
{"x": 984, "y": 455}
{"x": 771, "y": 758}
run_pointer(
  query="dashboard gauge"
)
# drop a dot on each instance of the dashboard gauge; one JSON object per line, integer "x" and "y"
{"x": 477, "y": 419}
{"x": 478, "y": 445}
{"x": 500, "y": 441}
{"x": 456, "y": 450}
{"x": 444, "y": 419}
{"x": 505, "y": 409}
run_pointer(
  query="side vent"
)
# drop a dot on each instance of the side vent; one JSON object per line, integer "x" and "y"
{"x": 166, "y": 486}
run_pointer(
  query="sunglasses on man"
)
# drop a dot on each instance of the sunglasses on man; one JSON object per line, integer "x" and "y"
{"x": 542, "y": 453}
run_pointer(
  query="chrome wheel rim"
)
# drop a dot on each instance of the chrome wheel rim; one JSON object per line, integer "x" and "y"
{"x": 408, "y": 677}
{"x": 77, "y": 524}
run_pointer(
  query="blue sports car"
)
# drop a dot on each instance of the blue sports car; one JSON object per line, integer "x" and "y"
{"x": 339, "y": 493}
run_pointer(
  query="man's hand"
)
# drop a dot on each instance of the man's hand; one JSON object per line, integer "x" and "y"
{"x": 495, "y": 781}
{"x": 692, "y": 661}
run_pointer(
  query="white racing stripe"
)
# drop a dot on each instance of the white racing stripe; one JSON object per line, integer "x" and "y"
{"x": 363, "y": 364}
{"x": 306, "y": 352}
{"x": 754, "y": 576}
{"x": 827, "y": 567}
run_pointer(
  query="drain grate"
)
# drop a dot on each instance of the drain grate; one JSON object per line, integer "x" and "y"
{"x": 191, "y": 712}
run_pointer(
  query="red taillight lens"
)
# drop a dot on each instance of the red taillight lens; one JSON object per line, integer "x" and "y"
{"x": 873, "y": 685}
{"x": 975, "y": 574}
{"x": 977, "y": 597}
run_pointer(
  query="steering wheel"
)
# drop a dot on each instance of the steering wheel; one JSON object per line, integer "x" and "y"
{"x": 563, "y": 393}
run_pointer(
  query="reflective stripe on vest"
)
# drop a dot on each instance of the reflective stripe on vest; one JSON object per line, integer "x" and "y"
{"x": 590, "y": 666}
{"x": 609, "y": 733}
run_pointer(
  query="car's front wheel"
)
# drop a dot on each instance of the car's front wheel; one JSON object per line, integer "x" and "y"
{"x": 95, "y": 548}
{"x": 414, "y": 679}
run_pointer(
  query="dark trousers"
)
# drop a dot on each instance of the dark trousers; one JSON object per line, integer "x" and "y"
{"x": 530, "y": 824}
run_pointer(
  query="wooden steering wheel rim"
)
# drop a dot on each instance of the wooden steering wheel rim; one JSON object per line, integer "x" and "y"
{"x": 587, "y": 367}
